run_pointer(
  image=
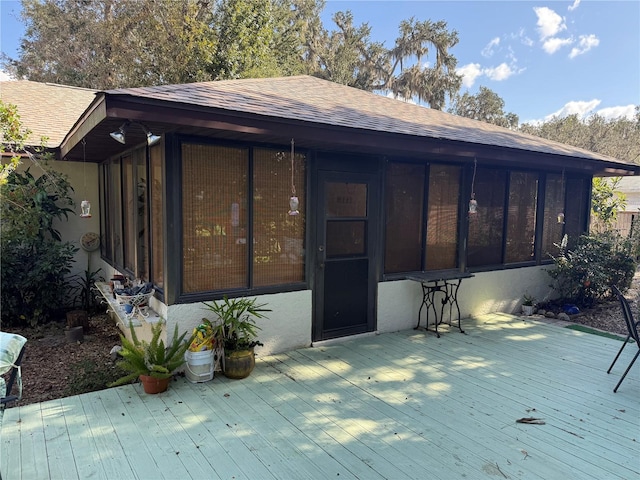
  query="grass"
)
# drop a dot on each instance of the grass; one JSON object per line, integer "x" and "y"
{"x": 89, "y": 376}
{"x": 593, "y": 331}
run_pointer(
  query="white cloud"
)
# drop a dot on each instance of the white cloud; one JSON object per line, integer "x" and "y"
{"x": 585, "y": 43}
{"x": 611, "y": 113}
{"x": 4, "y": 76}
{"x": 571, "y": 8}
{"x": 549, "y": 22}
{"x": 581, "y": 108}
{"x": 499, "y": 73}
{"x": 552, "y": 45}
{"x": 489, "y": 49}
{"x": 472, "y": 71}
{"x": 402, "y": 99}
{"x": 469, "y": 73}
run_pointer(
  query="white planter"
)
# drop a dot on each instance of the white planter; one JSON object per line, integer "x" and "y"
{"x": 527, "y": 310}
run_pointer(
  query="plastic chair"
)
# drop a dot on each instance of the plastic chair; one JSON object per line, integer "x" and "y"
{"x": 632, "y": 327}
{"x": 12, "y": 348}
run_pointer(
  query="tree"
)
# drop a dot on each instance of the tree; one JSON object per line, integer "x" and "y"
{"x": 606, "y": 201}
{"x": 486, "y": 106}
{"x": 33, "y": 260}
{"x": 348, "y": 56}
{"x": 13, "y": 138}
{"x": 618, "y": 138}
{"x": 113, "y": 43}
{"x": 261, "y": 38}
{"x": 125, "y": 43}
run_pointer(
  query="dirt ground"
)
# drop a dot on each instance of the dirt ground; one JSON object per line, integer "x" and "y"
{"x": 54, "y": 368}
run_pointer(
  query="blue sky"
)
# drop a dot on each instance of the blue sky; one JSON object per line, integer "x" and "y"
{"x": 543, "y": 58}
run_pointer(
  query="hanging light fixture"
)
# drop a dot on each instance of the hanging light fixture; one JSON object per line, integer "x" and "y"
{"x": 473, "y": 203}
{"x": 151, "y": 138}
{"x": 85, "y": 205}
{"x": 120, "y": 134}
{"x": 294, "y": 203}
{"x": 561, "y": 213}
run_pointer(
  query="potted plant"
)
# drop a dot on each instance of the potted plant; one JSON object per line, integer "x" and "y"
{"x": 236, "y": 330}
{"x": 528, "y": 304}
{"x": 152, "y": 362}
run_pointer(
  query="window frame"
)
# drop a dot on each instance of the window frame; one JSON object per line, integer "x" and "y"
{"x": 579, "y": 181}
{"x": 174, "y": 267}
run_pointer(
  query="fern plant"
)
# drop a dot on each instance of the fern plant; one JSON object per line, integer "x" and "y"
{"x": 151, "y": 358}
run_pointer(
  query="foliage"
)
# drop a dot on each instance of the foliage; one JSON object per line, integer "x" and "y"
{"x": 13, "y": 138}
{"x": 34, "y": 262}
{"x": 528, "y": 300}
{"x": 634, "y": 238}
{"x": 132, "y": 43}
{"x": 151, "y": 358}
{"x": 485, "y": 106}
{"x": 606, "y": 201}
{"x": 348, "y": 56}
{"x": 618, "y": 138}
{"x": 154, "y": 42}
{"x": 82, "y": 286}
{"x": 88, "y": 376}
{"x": 586, "y": 274}
{"x": 261, "y": 39}
{"x": 235, "y": 325}
{"x": 171, "y": 42}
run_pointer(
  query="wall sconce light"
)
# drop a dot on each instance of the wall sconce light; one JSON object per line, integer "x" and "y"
{"x": 294, "y": 203}
{"x": 120, "y": 134}
{"x": 473, "y": 204}
{"x": 85, "y": 208}
{"x": 561, "y": 217}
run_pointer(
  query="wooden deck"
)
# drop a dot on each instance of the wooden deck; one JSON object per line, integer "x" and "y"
{"x": 394, "y": 406}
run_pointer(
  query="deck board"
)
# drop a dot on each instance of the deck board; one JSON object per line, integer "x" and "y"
{"x": 396, "y": 406}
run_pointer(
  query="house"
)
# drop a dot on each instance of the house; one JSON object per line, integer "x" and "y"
{"x": 321, "y": 199}
{"x": 630, "y": 188}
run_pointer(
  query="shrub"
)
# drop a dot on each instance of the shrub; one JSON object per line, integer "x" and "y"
{"x": 586, "y": 273}
{"x": 34, "y": 261}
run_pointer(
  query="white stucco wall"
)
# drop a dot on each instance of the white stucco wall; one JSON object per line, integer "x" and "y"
{"x": 499, "y": 291}
{"x": 502, "y": 291}
{"x": 72, "y": 230}
{"x": 287, "y": 327}
{"x": 84, "y": 180}
{"x": 289, "y": 324}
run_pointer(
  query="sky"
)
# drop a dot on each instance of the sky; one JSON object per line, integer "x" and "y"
{"x": 543, "y": 58}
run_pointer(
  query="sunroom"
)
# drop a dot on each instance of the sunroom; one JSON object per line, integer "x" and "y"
{"x": 322, "y": 200}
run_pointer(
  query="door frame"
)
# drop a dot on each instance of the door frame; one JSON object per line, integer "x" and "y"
{"x": 371, "y": 176}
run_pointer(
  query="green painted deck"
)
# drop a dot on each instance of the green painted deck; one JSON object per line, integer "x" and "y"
{"x": 394, "y": 406}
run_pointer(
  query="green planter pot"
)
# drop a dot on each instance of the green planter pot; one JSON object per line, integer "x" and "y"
{"x": 239, "y": 363}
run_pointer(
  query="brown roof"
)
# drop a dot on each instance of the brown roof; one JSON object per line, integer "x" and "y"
{"x": 46, "y": 109}
{"x": 312, "y": 100}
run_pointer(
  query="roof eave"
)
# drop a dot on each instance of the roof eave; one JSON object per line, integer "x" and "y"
{"x": 95, "y": 113}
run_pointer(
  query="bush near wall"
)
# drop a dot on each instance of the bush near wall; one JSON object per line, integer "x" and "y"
{"x": 586, "y": 273}
{"x": 33, "y": 260}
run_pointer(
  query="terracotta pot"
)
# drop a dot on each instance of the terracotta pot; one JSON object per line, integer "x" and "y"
{"x": 239, "y": 364}
{"x": 153, "y": 384}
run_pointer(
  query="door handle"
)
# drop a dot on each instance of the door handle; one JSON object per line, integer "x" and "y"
{"x": 321, "y": 256}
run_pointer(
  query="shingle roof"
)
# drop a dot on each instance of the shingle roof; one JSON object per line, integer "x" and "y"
{"x": 46, "y": 109}
{"x": 313, "y": 100}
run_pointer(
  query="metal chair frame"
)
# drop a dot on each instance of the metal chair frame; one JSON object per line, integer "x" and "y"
{"x": 632, "y": 327}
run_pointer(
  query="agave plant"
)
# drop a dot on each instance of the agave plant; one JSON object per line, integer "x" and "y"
{"x": 151, "y": 358}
